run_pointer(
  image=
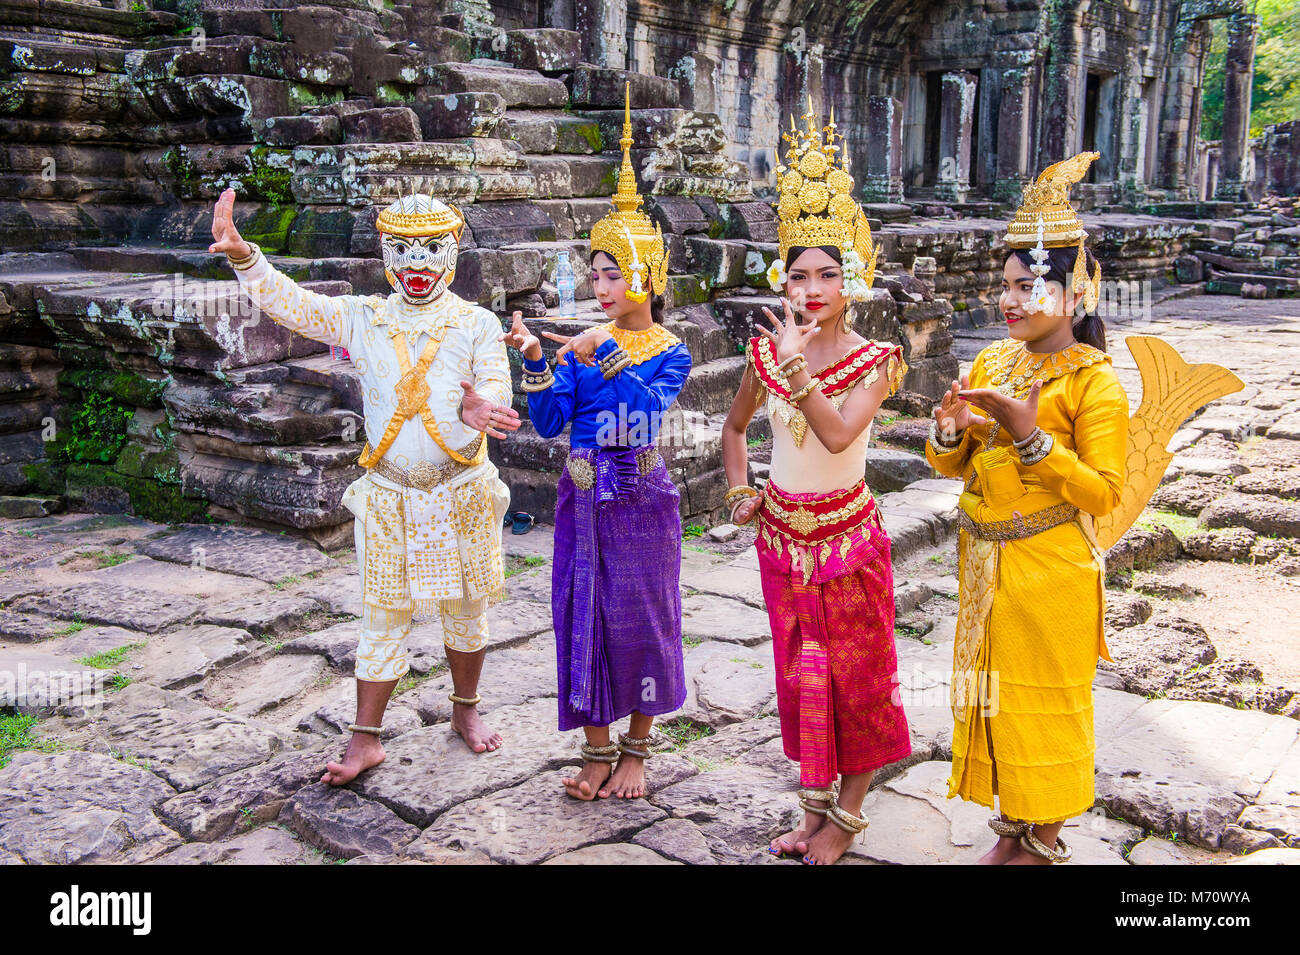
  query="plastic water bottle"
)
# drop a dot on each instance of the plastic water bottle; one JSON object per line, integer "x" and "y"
{"x": 565, "y": 285}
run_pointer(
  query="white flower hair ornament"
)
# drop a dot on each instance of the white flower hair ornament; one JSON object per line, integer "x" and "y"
{"x": 855, "y": 281}
{"x": 776, "y": 276}
{"x": 636, "y": 291}
{"x": 1041, "y": 298}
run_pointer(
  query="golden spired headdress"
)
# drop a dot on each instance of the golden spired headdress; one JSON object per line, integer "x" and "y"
{"x": 1046, "y": 220}
{"x": 627, "y": 234}
{"x": 815, "y": 205}
{"x": 417, "y": 215}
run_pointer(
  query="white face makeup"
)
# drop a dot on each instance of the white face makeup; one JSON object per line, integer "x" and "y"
{"x": 420, "y": 268}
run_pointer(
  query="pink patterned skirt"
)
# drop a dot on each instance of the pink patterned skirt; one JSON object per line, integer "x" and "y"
{"x": 832, "y": 615}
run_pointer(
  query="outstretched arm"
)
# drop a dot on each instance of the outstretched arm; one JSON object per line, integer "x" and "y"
{"x": 323, "y": 318}
{"x": 550, "y": 404}
{"x": 485, "y": 402}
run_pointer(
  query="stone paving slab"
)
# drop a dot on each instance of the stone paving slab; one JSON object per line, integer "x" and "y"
{"x": 739, "y": 808}
{"x": 510, "y": 677}
{"x": 727, "y": 682}
{"x": 429, "y": 770}
{"x": 266, "y": 845}
{"x": 32, "y": 679}
{"x": 338, "y": 821}
{"x": 617, "y": 853}
{"x": 238, "y": 550}
{"x": 262, "y": 686}
{"x": 718, "y": 618}
{"x": 503, "y": 824}
{"x": 913, "y": 822}
{"x": 262, "y": 613}
{"x": 114, "y": 605}
{"x": 183, "y": 741}
{"x": 252, "y": 795}
{"x": 186, "y": 656}
{"x": 76, "y": 807}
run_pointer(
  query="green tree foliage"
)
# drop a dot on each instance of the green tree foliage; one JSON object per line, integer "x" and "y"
{"x": 1275, "y": 95}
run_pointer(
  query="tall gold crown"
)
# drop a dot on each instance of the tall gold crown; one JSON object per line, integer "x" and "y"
{"x": 627, "y": 233}
{"x": 1046, "y": 220}
{"x": 815, "y": 204}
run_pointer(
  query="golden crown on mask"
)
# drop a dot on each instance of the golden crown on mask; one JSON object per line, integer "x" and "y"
{"x": 815, "y": 205}
{"x": 1047, "y": 220}
{"x": 416, "y": 216}
{"x": 627, "y": 234}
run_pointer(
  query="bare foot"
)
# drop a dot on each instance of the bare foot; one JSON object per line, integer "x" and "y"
{"x": 584, "y": 785}
{"x": 466, "y": 722}
{"x": 796, "y": 841}
{"x": 1023, "y": 856}
{"x": 827, "y": 845}
{"x": 364, "y": 752}
{"x": 1003, "y": 852}
{"x": 628, "y": 781}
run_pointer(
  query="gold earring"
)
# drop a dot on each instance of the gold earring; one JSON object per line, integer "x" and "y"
{"x": 848, "y": 318}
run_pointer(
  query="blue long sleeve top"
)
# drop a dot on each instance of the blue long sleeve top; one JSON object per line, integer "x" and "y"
{"x": 626, "y": 410}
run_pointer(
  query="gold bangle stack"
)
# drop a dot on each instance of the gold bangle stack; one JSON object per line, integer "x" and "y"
{"x": 537, "y": 380}
{"x": 805, "y": 391}
{"x": 614, "y": 362}
{"x": 734, "y": 494}
{"x": 246, "y": 263}
{"x": 1035, "y": 447}
{"x": 793, "y": 369}
{"x": 783, "y": 367}
{"x": 938, "y": 442}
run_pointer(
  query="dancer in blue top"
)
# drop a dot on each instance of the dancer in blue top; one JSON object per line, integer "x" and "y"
{"x": 615, "y": 595}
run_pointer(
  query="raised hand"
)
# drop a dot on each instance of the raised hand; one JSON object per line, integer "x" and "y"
{"x": 1017, "y": 417}
{"x": 583, "y": 347}
{"x": 521, "y": 339}
{"x": 789, "y": 336}
{"x": 225, "y": 236}
{"x": 952, "y": 414}
{"x": 482, "y": 415}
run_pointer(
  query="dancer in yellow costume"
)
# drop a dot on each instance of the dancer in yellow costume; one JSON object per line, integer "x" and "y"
{"x": 1039, "y": 431}
{"x": 435, "y": 381}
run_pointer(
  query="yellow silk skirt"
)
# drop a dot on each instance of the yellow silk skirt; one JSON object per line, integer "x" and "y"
{"x": 1028, "y": 636}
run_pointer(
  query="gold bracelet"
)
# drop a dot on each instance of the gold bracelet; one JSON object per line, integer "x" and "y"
{"x": 794, "y": 369}
{"x": 247, "y": 262}
{"x": 737, "y": 492}
{"x": 780, "y": 368}
{"x": 612, "y": 370}
{"x": 805, "y": 391}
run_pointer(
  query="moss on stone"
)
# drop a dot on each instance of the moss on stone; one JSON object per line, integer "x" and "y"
{"x": 591, "y": 133}
{"x": 151, "y": 500}
{"x": 303, "y": 95}
{"x": 126, "y": 387}
{"x": 268, "y": 227}
{"x": 179, "y": 165}
{"x": 268, "y": 178}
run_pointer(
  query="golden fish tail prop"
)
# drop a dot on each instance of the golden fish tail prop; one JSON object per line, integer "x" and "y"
{"x": 1171, "y": 390}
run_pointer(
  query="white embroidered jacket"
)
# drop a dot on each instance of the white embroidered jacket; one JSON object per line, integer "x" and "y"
{"x": 452, "y": 545}
{"x": 363, "y": 325}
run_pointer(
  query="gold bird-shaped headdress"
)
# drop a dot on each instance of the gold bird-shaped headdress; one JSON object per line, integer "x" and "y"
{"x": 1046, "y": 220}
{"x": 627, "y": 234}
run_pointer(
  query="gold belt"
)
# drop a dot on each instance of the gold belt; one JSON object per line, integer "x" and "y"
{"x": 1018, "y": 528}
{"x": 583, "y": 472}
{"x": 425, "y": 476}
